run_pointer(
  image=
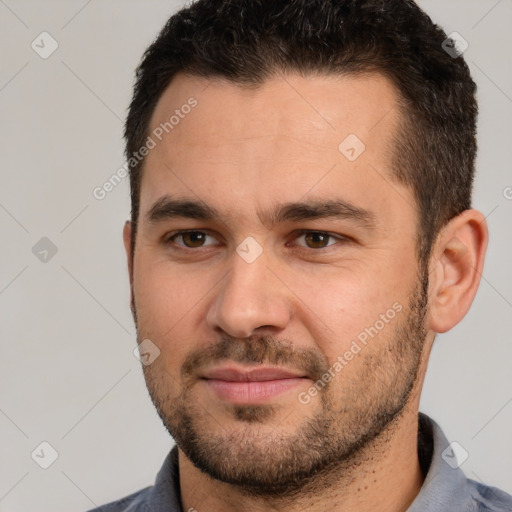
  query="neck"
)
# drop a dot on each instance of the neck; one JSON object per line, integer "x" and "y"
{"x": 385, "y": 476}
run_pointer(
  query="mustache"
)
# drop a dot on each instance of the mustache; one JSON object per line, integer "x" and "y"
{"x": 256, "y": 350}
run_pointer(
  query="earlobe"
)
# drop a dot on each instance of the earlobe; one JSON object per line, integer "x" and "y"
{"x": 457, "y": 263}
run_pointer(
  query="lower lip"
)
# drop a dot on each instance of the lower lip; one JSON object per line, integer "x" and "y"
{"x": 254, "y": 391}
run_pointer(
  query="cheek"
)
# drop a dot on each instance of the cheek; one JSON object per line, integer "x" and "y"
{"x": 338, "y": 309}
{"x": 170, "y": 306}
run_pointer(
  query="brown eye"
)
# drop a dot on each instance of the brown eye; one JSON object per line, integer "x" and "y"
{"x": 316, "y": 239}
{"x": 192, "y": 239}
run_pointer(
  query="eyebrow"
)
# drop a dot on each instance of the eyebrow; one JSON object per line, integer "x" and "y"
{"x": 318, "y": 209}
{"x": 167, "y": 208}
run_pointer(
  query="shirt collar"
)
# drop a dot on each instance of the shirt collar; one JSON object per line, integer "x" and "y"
{"x": 445, "y": 487}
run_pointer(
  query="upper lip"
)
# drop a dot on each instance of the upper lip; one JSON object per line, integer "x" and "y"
{"x": 230, "y": 373}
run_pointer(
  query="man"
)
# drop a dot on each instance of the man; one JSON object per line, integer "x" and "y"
{"x": 301, "y": 229}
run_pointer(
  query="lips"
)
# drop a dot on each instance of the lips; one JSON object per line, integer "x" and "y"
{"x": 254, "y": 385}
{"x": 252, "y": 375}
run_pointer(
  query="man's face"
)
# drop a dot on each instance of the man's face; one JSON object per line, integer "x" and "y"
{"x": 298, "y": 255}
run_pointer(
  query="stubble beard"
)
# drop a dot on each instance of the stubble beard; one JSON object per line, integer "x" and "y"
{"x": 355, "y": 418}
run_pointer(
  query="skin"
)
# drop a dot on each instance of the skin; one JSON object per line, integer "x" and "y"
{"x": 243, "y": 152}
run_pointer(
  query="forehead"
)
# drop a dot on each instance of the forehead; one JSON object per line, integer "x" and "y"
{"x": 284, "y": 104}
{"x": 291, "y": 135}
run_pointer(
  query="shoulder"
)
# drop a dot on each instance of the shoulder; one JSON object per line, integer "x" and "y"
{"x": 132, "y": 503}
{"x": 161, "y": 497}
{"x": 446, "y": 487}
{"x": 490, "y": 499}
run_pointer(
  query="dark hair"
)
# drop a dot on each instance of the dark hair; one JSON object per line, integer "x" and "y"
{"x": 248, "y": 41}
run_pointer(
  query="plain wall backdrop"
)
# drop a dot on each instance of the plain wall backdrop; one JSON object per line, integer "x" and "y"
{"x": 68, "y": 373}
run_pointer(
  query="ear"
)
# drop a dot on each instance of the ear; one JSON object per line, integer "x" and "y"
{"x": 456, "y": 266}
{"x": 127, "y": 240}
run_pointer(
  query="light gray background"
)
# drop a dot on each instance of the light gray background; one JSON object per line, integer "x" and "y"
{"x": 68, "y": 374}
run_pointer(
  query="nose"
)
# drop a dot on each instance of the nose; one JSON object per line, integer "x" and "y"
{"x": 250, "y": 298}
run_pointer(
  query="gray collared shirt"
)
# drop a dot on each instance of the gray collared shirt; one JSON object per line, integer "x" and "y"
{"x": 445, "y": 489}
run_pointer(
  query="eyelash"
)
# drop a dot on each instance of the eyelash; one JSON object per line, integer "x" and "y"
{"x": 170, "y": 239}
